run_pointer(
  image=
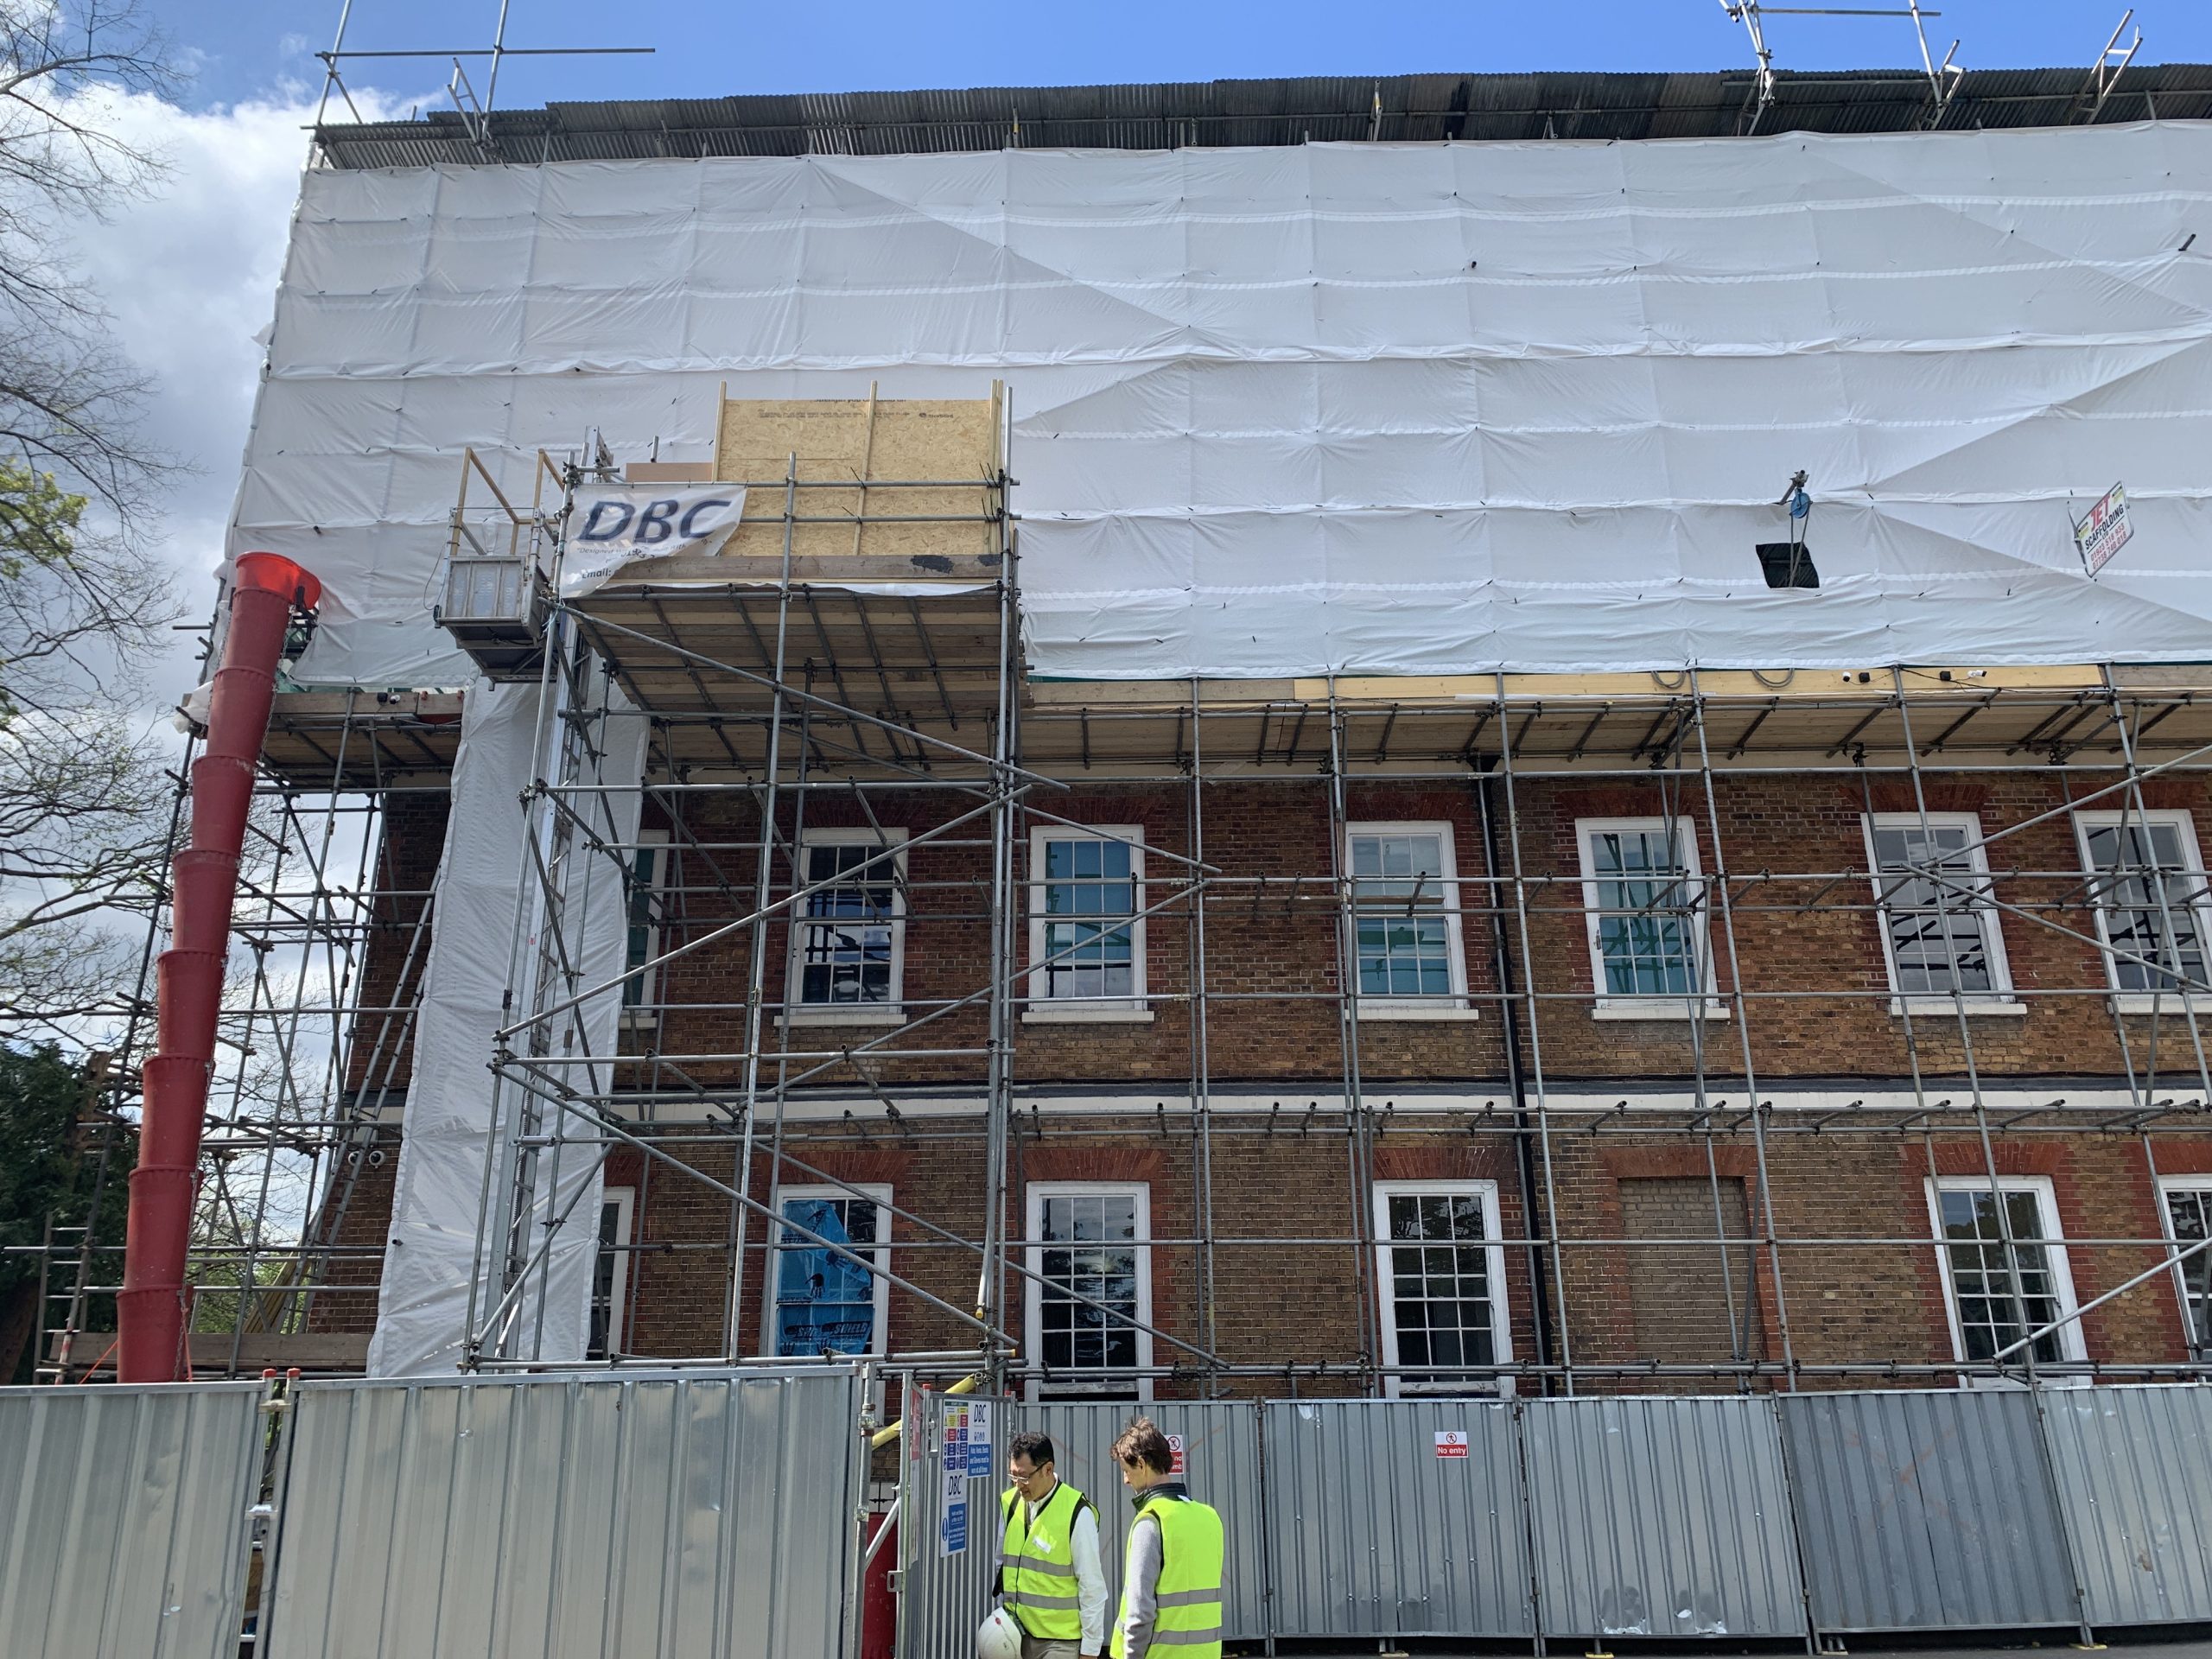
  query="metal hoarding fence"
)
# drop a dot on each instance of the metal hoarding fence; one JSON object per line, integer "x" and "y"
{"x": 2134, "y": 1470}
{"x": 1664, "y": 1517}
{"x": 577, "y": 1517}
{"x": 949, "y": 1481}
{"x": 127, "y": 1520}
{"x": 1926, "y": 1510}
{"x": 1395, "y": 1517}
{"x": 1220, "y": 1446}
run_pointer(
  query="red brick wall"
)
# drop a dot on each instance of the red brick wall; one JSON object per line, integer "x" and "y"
{"x": 1273, "y": 1023}
{"x": 1848, "y": 1303}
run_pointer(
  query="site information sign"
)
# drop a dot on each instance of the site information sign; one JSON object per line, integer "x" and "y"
{"x": 979, "y": 1439}
{"x": 2104, "y": 531}
{"x": 952, "y": 1483}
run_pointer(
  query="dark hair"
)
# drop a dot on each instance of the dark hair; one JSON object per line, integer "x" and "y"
{"x": 1142, "y": 1442}
{"x": 1038, "y": 1448}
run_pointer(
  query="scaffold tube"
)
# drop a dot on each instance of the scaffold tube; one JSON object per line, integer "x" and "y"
{"x": 150, "y": 1308}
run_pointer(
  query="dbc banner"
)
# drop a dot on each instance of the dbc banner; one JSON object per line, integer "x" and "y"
{"x": 616, "y": 523}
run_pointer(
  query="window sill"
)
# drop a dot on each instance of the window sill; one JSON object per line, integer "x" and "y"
{"x": 640, "y": 1019}
{"x": 1488, "y": 1392}
{"x": 1926, "y": 1008}
{"x": 1654, "y": 1007}
{"x": 1415, "y": 1011}
{"x": 2179, "y": 1004}
{"x": 1109, "y": 1015}
{"x": 882, "y": 1015}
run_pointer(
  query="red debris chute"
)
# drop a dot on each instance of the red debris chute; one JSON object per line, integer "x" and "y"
{"x": 189, "y": 974}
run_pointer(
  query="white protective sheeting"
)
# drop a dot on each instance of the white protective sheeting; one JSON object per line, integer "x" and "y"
{"x": 1383, "y": 408}
{"x": 441, "y": 1183}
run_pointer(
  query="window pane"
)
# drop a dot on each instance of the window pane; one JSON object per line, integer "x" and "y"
{"x": 1647, "y": 915}
{"x": 825, "y": 1302}
{"x": 1102, "y": 1268}
{"x": 2190, "y": 1211}
{"x": 644, "y": 911}
{"x": 1402, "y": 952}
{"x": 1441, "y": 1300}
{"x": 2134, "y": 867}
{"x": 1088, "y": 958}
{"x": 605, "y": 1270}
{"x": 846, "y": 931}
{"x": 1982, "y": 1275}
{"x": 1939, "y": 930}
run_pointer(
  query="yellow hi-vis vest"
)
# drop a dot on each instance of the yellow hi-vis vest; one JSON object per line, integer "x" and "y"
{"x": 1038, "y": 1566}
{"x": 1189, "y": 1592}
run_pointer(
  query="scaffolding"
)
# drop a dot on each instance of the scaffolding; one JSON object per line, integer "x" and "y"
{"x": 815, "y": 689}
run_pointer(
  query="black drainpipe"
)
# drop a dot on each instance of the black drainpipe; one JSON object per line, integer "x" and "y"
{"x": 1518, "y": 1080}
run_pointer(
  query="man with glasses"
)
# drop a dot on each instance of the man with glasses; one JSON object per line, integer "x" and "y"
{"x": 1048, "y": 1572}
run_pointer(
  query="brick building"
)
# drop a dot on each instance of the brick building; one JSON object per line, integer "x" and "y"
{"x": 1483, "y": 1221}
{"x": 1260, "y": 795}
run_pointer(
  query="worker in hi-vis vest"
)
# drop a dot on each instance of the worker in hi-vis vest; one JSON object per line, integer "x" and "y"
{"x": 1049, "y": 1574}
{"x": 1171, "y": 1592}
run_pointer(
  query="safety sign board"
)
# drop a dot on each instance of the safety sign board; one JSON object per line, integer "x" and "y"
{"x": 1175, "y": 1446}
{"x": 1451, "y": 1442}
{"x": 979, "y": 1439}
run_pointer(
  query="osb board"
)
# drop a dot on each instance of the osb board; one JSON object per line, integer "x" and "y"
{"x": 861, "y": 440}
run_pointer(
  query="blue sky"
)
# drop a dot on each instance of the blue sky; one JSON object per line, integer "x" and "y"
{"x": 248, "y": 48}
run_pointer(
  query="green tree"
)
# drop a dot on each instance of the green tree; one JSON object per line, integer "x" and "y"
{"x": 50, "y": 1137}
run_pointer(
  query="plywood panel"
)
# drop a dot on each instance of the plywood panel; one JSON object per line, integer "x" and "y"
{"x": 863, "y": 441}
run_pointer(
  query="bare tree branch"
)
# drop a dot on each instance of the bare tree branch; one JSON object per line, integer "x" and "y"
{"x": 84, "y": 796}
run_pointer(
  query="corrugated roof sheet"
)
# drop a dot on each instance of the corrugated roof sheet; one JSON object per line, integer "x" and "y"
{"x": 1313, "y": 109}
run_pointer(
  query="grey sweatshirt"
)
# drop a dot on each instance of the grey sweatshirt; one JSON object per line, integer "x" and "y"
{"x": 1141, "y": 1582}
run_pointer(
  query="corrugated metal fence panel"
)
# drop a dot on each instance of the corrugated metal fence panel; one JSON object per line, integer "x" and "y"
{"x": 944, "y": 1598}
{"x": 1926, "y": 1510}
{"x": 569, "y": 1517}
{"x": 2135, "y": 1477}
{"x": 1371, "y": 1534}
{"x": 1221, "y": 1457}
{"x": 125, "y": 1511}
{"x": 1662, "y": 1517}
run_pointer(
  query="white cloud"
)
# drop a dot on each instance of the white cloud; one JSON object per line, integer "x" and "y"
{"x": 189, "y": 273}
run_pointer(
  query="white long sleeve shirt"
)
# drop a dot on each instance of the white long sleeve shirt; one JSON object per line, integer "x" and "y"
{"x": 1089, "y": 1573}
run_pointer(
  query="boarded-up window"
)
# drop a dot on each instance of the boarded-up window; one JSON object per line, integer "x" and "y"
{"x": 1693, "y": 1304}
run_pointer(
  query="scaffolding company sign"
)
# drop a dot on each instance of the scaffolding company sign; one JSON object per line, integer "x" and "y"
{"x": 952, "y": 1483}
{"x": 613, "y": 523}
{"x": 2104, "y": 531}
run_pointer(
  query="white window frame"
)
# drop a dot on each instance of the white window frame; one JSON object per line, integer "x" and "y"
{"x": 1033, "y": 1333}
{"x": 2192, "y": 866}
{"x": 1666, "y": 1004}
{"x": 2172, "y": 1183}
{"x": 625, "y": 1199}
{"x": 1999, "y": 998}
{"x": 1453, "y": 1004}
{"x": 2072, "y": 1343}
{"x": 879, "y": 1255}
{"x": 648, "y": 983}
{"x": 1397, "y": 1387}
{"x": 1043, "y": 1008}
{"x": 889, "y": 1012}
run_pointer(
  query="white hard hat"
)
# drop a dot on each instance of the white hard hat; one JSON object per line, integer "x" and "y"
{"x": 999, "y": 1639}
